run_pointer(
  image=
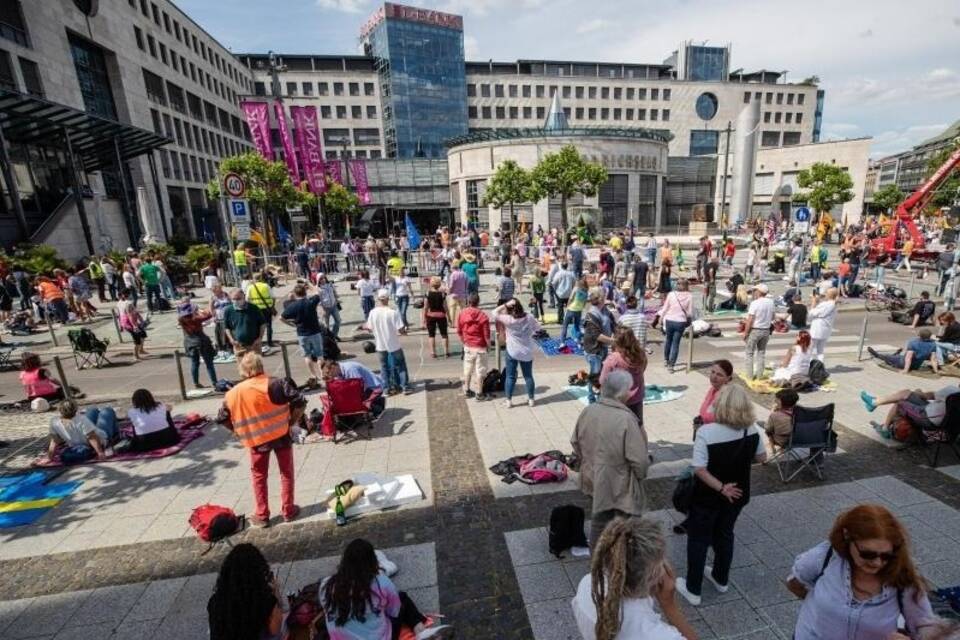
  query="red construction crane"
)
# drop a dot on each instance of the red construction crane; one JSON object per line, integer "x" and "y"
{"x": 914, "y": 204}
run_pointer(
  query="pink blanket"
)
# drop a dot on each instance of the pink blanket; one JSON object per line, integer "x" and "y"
{"x": 190, "y": 428}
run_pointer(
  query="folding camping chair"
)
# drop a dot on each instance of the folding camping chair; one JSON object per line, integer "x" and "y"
{"x": 350, "y": 412}
{"x": 948, "y": 433}
{"x": 88, "y": 349}
{"x": 6, "y": 357}
{"x": 811, "y": 439}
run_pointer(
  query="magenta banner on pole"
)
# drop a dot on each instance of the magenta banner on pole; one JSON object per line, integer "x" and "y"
{"x": 334, "y": 171}
{"x": 258, "y": 120}
{"x": 310, "y": 147}
{"x": 358, "y": 169}
{"x": 288, "y": 153}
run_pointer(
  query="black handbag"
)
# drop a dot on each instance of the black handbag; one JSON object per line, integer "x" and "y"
{"x": 683, "y": 494}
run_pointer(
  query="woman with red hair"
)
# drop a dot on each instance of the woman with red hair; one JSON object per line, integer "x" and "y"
{"x": 796, "y": 361}
{"x": 856, "y": 585}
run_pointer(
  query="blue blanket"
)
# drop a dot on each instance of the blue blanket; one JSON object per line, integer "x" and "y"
{"x": 25, "y": 498}
{"x": 552, "y": 346}
{"x": 653, "y": 394}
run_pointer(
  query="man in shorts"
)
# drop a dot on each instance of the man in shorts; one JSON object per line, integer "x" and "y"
{"x": 302, "y": 314}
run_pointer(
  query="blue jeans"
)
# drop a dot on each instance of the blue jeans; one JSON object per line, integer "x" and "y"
{"x": 393, "y": 369}
{"x": 671, "y": 343}
{"x": 366, "y": 303}
{"x": 594, "y": 364}
{"x": 403, "y": 303}
{"x": 526, "y": 367}
{"x": 153, "y": 297}
{"x": 105, "y": 420}
{"x": 195, "y": 356}
{"x": 571, "y": 318}
{"x": 332, "y": 312}
{"x": 881, "y": 272}
{"x": 578, "y": 269}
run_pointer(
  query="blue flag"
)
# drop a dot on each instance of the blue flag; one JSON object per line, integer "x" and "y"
{"x": 413, "y": 236}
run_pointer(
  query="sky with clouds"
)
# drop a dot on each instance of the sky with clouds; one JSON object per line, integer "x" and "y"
{"x": 891, "y": 68}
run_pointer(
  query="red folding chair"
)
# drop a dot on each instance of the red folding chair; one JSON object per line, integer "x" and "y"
{"x": 350, "y": 413}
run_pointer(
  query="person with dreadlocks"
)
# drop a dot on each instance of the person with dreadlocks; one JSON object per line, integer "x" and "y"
{"x": 245, "y": 604}
{"x": 629, "y": 571}
{"x": 362, "y": 603}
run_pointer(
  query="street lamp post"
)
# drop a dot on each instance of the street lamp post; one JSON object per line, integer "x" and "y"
{"x": 726, "y": 164}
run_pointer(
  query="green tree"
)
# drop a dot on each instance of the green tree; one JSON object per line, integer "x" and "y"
{"x": 949, "y": 190}
{"x": 888, "y": 197}
{"x": 509, "y": 185}
{"x": 199, "y": 256}
{"x": 339, "y": 201}
{"x": 565, "y": 174}
{"x": 825, "y": 185}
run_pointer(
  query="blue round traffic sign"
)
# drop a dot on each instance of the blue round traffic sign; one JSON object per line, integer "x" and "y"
{"x": 802, "y": 214}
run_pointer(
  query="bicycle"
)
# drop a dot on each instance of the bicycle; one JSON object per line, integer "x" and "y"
{"x": 884, "y": 300}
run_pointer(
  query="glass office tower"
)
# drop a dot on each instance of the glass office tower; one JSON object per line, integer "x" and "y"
{"x": 418, "y": 54}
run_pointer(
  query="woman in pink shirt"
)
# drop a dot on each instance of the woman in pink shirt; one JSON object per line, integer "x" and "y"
{"x": 720, "y": 374}
{"x": 676, "y": 314}
{"x": 628, "y": 355}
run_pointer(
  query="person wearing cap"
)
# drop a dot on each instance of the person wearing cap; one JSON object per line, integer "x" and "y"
{"x": 196, "y": 343}
{"x": 470, "y": 269}
{"x": 917, "y": 351}
{"x": 756, "y": 332}
{"x": 386, "y": 325}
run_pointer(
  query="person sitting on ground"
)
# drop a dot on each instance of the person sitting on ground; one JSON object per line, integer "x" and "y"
{"x": 795, "y": 363}
{"x": 36, "y": 380}
{"x": 918, "y": 350}
{"x": 629, "y": 570}
{"x": 373, "y": 397}
{"x": 920, "y": 314}
{"x": 246, "y": 602}
{"x": 361, "y": 603}
{"x": 779, "y": 425}
{"x": 948, "y": 338}
{"x": 88, "y": 435}
{"x": 924, "y": 409}
{"x": 152, "y": 423}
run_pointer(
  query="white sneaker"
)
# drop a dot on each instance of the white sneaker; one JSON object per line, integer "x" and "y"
{"x": 708, "y": 574}
{"x": 681, "y": 586}
{"x": 388, "y": 567}
{"x": 530, "y": 402}
{"x": 507, "y": 404}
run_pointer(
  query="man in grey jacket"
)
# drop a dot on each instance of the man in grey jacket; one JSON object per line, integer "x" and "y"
{"x": 612, "y": 448}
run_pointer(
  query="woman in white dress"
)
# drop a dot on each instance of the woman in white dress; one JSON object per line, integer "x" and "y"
{"x": 796, "y": 361}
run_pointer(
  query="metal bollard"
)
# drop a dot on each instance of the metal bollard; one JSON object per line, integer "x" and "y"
{"x": 913, "y": 279}
{"x": 116, "y": 325}
{"x": 690, "y": 349}
{"x": 63, "y": 378}
{"x": 286, "y": 359}
{"x": 53, "y": 334}
{"x": 863, "y": 338}
{"x": 183, "y": 384}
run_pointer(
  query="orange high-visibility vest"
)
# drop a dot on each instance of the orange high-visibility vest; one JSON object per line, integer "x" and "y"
{"x": 255, "y": 418}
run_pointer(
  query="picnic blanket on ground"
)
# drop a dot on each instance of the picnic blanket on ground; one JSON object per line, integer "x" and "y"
{"x": 653, "y": 394}
{"x": 190, "y": 427}
{"x": 765, "y": 386}
{"x": 925, "y": 372}
{"x": 553, "y": 347}
{"x": 26, "y": 497}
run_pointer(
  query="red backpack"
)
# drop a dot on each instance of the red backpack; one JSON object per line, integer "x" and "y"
{"x": 214, "y": 523}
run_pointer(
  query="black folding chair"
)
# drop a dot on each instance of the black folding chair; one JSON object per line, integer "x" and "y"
{"x": 948, "y": 433}
{"x": 6, "y": 357}
{"x": 811, "y": 439}
{"x": 88, "y": 349}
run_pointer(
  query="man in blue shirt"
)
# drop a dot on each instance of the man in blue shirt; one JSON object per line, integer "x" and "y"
{"x": 302, "y": 314}
{"x": 917, "y": 351}
{"x": 372, "y": 385}
{"x": 563, "y": 282}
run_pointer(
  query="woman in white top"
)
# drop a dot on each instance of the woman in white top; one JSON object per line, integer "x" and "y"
{"x": 520, "y": 327}
{"x": 796, "y": 361}
{"x": 821, "y": 319}
{"x": 630, "y": 571}
{"x": 152, "y": 425}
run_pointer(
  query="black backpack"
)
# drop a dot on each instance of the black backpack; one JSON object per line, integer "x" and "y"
{"x": 331, "y": 350}
{"x": 818, "y": 373}
{"x": 566, "y": 529}
{"x": 492, "y": 382}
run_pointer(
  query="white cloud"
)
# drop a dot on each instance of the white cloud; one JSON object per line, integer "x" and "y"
{"x": 347, "y": 6}
{"x": 938, "y": 84}
{"x": 487, "y": 7}
{"x": 942, "y": 73}
{"x": 471, "y": 47}
{"x": 593, "y": 25}
{"x": 893, "y": 141}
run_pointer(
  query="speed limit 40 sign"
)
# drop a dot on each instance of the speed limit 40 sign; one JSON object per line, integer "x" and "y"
{"x": 234, "y": 186}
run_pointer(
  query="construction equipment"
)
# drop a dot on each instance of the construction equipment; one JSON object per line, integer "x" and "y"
{"x": 903, "y": 222}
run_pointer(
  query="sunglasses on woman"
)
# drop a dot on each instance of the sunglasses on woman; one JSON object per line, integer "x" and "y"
{"x": 868, "y": 555}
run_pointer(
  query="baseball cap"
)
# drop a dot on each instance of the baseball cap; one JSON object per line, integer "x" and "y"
{"x": 383, "y": 294}
{"x": 762, "y": 288}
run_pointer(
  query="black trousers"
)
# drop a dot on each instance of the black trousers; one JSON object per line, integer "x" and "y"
{"x": 561, "y": 305}
{"x": 709, "y": 527}
{"x": 409, "y": 616}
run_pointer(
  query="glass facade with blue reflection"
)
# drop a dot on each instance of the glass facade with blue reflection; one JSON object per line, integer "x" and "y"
{"x": 422, "y": 84}
{"x": 707, "y": 64}
{"x": 818, "y": 116}
{"x": 703, "y": 143}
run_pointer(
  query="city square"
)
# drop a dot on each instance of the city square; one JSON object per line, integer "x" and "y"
{"x": 252, "y": 252}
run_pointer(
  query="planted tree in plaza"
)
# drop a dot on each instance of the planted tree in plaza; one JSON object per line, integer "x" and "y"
{"x": 888, "y": 197}
{"x": 509, "y": 185}
{"x": 948, "y": 193}
{"x": 825, "y": 186}
{"x": 339, "y": 202}
{"x": 565, "y": 174}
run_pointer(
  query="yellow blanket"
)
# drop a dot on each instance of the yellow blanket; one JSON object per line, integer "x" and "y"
{"x": 763, "y": 385}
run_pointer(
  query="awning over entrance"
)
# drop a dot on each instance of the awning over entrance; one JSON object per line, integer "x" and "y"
{"x": 30, "y": 120}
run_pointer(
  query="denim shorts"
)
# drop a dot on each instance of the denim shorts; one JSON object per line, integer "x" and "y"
{"x": 312, "y": 346}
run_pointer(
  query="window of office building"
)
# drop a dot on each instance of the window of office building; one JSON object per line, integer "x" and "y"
{"x": 12, "y": 25}
{"x": 471, "y": 90}
{"x": 617, "y": 114}
{"x": 336, "y": 136}
{"x": 630, "y": 91}
{"x": 476, "y": 214}
{"x": 654, "y": 114}
{"x": 541, "y": 113}
{"x": 512, "y": 91}
{"x": 138, "y": 35}
{"x": 665, "y": 115}
{"x": 666, "y": 94}
{"x": 485, "y": 111}
{"x": 526, "y": 91}
{"x": 176, "y": 98}
{"x": 788, "y": 117}
{"x": 31, "y": 77}
{"x": 471, "y": 111}
{"x": 641, "y": 114}
{"x": 356, "y": 112}
{"x": 592, "y": 113}
{"x": 354, "y": 88}
{"x": 779, "y": 98}
{"x": 578, "y": 92}
{"x": 800, "y": 98}
{"x": 292, "y": 88}
{"x": 768, "y": 99}
{"x": 641, "y": 94}
{"x": 541, "y": 91}
{"x": 579, "y": 113}
{"x": 325, "y": 111}
{"x": 498, "y": 90}
{"x": 178, "y": 127}
{"x": 368, "y": 89}
{"x": 789, "y": 98}
{"x": 484, "y": 91}
{"x": 799, "y": 118}
{"x": 152, "y": 45}
{"x": 323, "y": 89}
{"x": 338, "y": 88}
{"x": 341, "y": 112}
{"x": 366, "y": 137}
{"x": 157, "y": 124}
{"x": 703, "y": 142}
{"x": 604, "y": 93}
{"x": 766, "y": 116}
{"x": 554, "y": 90}
{"x": 746, "y": 97}
{"x": 259, "y": 89}
{"x": 770, "y": 139}
{"x": 654, "y": 94}
{"x": 592, "y": 93}
{"x": 307, "y": 88}
{"x": 791, "y": 138}
{"x": 501, "y": 113}
{"x": 371, "y": 112}
{"x": 566, "y": 92}
{"x": 617, "y": 93}
{"x": 91, "y": 67}
{"x": 604, "y": 113}
{"x": 163, "y": 53}
{"x": 612, "y": 198}
{"x": 628, "y": 113}
{"x": 375, "y": 154}
{"x": 777, "y": 116}
{"x": 514, "y": 113}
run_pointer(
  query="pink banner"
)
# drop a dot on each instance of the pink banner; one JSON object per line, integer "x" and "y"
{"x": 333, "y": 170}
{"x": 358, "y": 169}
{"x": 288, "y": 154}
{"x": 310, "y": 147}
{"x": 258, "y": 120}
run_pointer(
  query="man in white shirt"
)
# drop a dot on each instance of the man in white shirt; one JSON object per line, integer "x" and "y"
{"x": 756, "y": 333}
{"x": 386, "y": 325}
{"x": 821, "y": 318}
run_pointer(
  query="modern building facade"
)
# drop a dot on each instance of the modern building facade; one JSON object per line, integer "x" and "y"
{"x": 143, "y": 63}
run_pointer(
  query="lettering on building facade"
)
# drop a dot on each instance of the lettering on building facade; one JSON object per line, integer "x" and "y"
{"x": 625, "y": 161}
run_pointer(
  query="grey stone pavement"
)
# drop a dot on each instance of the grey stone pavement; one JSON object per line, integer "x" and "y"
{"x": 117, "y": 559}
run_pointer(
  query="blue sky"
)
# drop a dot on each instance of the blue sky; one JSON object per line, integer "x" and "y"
{"x": 891, "y": 68}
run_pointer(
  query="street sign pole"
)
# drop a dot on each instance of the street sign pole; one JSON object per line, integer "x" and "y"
{"x": 231, "y": 268}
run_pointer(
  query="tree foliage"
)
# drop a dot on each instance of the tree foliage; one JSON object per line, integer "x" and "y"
{"x": 509, "y": 185}
{"x": 268, "y": 184}
{"x": 825, "y": 186}
{"x": 948, "y": 192}
{"x": 565, "y": 174}
{"x": 888, "y": 197}
{"x": 199, "y": 256}
{"x": 340, "y": 202}
{"x": 35, "y": 259}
